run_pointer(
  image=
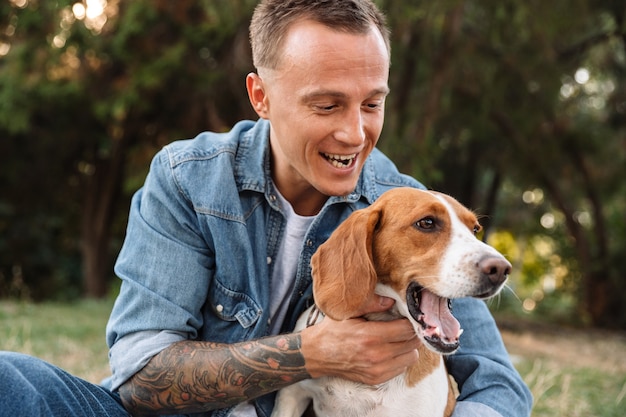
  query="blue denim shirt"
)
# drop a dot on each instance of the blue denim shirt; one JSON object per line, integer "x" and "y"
{"x": 203, "y": 232}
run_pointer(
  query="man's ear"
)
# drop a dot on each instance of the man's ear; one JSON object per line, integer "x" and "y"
{"x": 257, "y": 94}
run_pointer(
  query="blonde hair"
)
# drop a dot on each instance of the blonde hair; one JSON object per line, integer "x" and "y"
{"x": 272, "y": 18}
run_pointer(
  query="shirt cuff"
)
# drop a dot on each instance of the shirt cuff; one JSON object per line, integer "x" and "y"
{"x": 473, "y": 409}
{"x": 132, "y": 352}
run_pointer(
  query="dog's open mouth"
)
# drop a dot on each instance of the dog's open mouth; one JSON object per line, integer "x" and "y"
{"x": 439, "y": 327}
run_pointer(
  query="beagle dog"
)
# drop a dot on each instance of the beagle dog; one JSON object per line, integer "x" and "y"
{"x": 419, "y": 248}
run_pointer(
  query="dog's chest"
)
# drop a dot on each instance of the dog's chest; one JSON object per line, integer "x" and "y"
{"x": 338, "y": 397}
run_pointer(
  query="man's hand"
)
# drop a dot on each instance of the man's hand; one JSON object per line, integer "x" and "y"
{"x": 371, "y": 352}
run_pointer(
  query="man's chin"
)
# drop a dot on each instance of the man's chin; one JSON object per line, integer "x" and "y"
{"x": 335, "y": 190}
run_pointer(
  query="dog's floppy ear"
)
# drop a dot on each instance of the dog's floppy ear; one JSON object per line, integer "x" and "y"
{"x": 343, "y": 270}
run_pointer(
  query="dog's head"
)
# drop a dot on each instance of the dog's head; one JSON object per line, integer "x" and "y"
{"x": 418, "y": 247}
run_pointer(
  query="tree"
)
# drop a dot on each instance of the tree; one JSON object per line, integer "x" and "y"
{"x": 489, "y": 97}
{"x": 90, "y": 95}
{"x": 490, "y": 101}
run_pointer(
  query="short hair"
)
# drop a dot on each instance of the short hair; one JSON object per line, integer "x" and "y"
{"x": 272, "y": 18}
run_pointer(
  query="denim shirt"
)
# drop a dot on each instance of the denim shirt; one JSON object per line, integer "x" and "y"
{"x": 202, "y": 235}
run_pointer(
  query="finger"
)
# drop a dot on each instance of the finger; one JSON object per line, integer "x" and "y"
{"x": 379, "y": 372}
{"x": 395, "y": 331}
{"x": 375, "y": 304}
{"x": 405, "y": 353}
{"x": 408, "y": 356}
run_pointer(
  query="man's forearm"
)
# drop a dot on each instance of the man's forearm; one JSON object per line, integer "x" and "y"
{"x": 192, "y": 377}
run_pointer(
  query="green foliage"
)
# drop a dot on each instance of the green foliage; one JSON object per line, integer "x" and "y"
{"x": 490, "y": 101}
{"x": 493, "y": 99}
{"x": 84, "y": 106}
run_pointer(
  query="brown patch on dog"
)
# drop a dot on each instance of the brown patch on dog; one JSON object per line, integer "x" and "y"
{"x": 427, "y": 363}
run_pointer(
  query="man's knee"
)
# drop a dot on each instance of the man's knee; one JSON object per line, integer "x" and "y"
{"x": 17, "y": 368}
{"x": 21, "y": 377}
{"x": 36, "y": 388}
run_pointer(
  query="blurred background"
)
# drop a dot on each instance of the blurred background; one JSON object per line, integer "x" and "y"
{"x": 517, "y": 108}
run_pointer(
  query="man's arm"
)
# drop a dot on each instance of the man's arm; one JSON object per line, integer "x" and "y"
{"x": 191, "y": 376}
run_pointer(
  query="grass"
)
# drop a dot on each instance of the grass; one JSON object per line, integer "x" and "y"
{"x": 574, "y": 392}
{"x": 571, "y": 372}
{"x": 67, "y": 335}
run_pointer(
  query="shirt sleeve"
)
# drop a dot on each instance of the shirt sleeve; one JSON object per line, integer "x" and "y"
{"x": 472, "y": 409}
{"x": 132, "y": 352}
{"x": 165, "y": 267}
{"x": 482, "y": 367}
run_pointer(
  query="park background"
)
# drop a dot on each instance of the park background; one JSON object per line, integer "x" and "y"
{"x": 517, "y": 108}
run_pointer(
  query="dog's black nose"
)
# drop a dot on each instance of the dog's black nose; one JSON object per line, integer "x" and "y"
{"x": 496, "y": 269}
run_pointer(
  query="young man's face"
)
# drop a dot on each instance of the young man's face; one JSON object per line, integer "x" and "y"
{"x": 325, "y": 103}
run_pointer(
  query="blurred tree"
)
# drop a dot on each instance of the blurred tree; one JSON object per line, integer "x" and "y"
{"x": 86, "y": 96}
{"x": 491, "y": 101}
{"x": 529, "y": 94}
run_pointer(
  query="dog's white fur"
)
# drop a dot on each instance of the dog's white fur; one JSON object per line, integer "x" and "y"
{"x": 452, "y": 263}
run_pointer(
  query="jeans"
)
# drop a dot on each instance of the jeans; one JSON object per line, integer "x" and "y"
{"x": 30, "y": 387}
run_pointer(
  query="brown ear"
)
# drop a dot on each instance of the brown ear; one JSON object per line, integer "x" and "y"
{"x": 343, "y": 270}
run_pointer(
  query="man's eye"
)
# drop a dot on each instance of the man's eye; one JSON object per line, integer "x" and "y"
{"x": 373, "y": 105}
{"x": 326, "y": 108}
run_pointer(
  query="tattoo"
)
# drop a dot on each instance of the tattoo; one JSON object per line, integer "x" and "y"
{"x": 191, "y": 377}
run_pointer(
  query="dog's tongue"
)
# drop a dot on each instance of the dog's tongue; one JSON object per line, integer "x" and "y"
{"x": 439, "y": 318}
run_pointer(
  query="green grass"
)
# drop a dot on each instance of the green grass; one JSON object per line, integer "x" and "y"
{"x": 68, "y": 335}
{"x": 573, "y": 391}
{"x": 571, "y": 372}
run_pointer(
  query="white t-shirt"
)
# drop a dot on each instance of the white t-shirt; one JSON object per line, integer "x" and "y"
{"x": 283, "y": 277}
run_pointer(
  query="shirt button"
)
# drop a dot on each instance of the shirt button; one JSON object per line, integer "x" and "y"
{"x": 269, "y": 260}
{"x": 219, "y": 308}
{"x": 309, "y": 243}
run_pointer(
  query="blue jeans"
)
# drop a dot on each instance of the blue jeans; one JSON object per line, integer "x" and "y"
{"x": 30, "y": 387}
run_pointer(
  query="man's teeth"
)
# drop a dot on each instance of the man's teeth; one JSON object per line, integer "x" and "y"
{"x": 340, "y": 161}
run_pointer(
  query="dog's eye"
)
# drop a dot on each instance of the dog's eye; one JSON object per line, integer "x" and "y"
{"x": 477, "y": 229}
{"x": 427, "y": 224}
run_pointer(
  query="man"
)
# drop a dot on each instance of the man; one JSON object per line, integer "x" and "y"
{"x": 215, "y": 265}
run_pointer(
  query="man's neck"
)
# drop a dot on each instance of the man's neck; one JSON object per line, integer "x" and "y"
{"x": 307, "y": 202}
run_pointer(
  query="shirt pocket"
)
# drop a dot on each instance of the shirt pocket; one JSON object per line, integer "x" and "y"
{"x": 230, "y": 315}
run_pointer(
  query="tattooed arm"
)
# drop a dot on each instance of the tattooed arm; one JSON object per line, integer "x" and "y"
{"x": 192, "y": 377}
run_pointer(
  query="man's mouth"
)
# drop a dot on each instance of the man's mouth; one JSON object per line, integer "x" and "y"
{"x": 440, "y": 330}
{"x": 340, "y": 161}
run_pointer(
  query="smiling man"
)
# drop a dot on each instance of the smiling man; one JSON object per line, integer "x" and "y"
{"x": 325, "y": 101}
{"x": 216, "y": 261}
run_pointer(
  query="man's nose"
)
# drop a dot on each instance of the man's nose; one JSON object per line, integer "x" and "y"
{"x": 352, "y": 129}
